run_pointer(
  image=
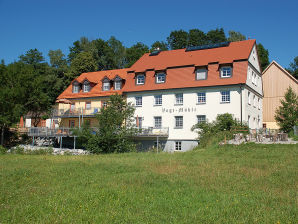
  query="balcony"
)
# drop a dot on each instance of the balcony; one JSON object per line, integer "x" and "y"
{"x": 64, "y": 113}
{"x": 49, "y": 132}
{"x": 153, "y": 132}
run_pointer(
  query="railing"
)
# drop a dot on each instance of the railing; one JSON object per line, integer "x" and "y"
{"x": 49, "y": 132}
{"x": 76, "y": 112}
{"x": 152, "y": 131}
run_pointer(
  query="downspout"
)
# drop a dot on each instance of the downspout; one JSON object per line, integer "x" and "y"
{"x": 241, "y": 104}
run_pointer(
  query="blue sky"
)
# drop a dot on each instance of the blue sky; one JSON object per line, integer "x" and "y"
{"x": 56, "y": 24}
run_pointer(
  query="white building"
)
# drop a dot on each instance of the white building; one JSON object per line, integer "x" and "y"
{"x": 173, "y": 90}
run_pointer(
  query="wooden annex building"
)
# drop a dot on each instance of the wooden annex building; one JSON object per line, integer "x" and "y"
{"x": 276, "y": 81}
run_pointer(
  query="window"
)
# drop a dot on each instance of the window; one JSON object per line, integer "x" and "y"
{"x": 76, "y": 88}
{"x": 249, "y": 102}
{"x": 201, "y": 74}
{"x": 178, "y": 146}
{"x": 254, "y": 100}
{"x": 249, "y": 75}
{"x": 226, "y": 72}
{"x": 225, "y": 96}
{"x": 259, "y": 103}
{"x": 87, "y": 122}
{"x": 139, "y": 122}
{"x": 86, "y": 87}
{"x": 140, "y": 79}
{"x": 178, "y": 122}
{"x": 157, "y": 122}
{"x": 201, "y": 118}
{"x": 138, "y": 101}
{"x": 88, "y": 105}
{"x": 158, "y": 100}
{"x": 179, "y": 98}
{"x": 104, "y": 104}
{"x": 201, "y": 98}
{"x": 106, "y": 85}
{"x": 117, "y": 85}
{"x": 160, "y": 77}
{"x": 248, "y": 120}
{"x": 255, "y": 79}
{"x": 71, "y": 123}
{"x": 72, "y": 107}
{"x": 252, "y": 77}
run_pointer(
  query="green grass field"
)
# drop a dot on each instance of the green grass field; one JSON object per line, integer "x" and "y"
{"x": 231, "y": 184}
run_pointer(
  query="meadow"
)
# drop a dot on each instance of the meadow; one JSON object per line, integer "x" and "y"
{"x": 228, "y": 184}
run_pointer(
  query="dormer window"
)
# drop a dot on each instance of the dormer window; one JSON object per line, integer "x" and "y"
{"x": 160, "y": 77}
{"x": 75, "y": 87}
{"x": 86, "y": 87}
{"x": 226, "y": 72}
{"x": 106, "y": 85}
{"x": 117, "y": 83}
{"x": 201, "y": 74}
{"x": 140, "y": 79}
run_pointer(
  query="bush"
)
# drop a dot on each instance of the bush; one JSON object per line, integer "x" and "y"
{"x": 3, "y": 150}
{"x": 210, "y": 134}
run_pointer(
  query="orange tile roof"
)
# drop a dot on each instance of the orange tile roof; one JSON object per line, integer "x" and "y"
{"x": 174, "y": 58}
{"x": 96, "y": 79}
{"x": 180, "y": 67}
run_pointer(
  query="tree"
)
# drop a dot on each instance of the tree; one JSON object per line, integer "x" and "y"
{"x": 235, "y": 36}
{"x": 57, "y": 59}
{"x": 115, "y": 128}
{"x": 32, "y": 57}
{"x": 263, "y": 56}
{"x": 196, "y": 37}
{"x": 83, "y": 62}
{"x": 216, "y": 36}
{"x": 293, "y": 69}
{"x": 118, "y": 51}
{"x": 135, "y": 52}
{"x": 162, "y": 46}
{"x": 178, "y": 39}
{"x": 287, "y": 114}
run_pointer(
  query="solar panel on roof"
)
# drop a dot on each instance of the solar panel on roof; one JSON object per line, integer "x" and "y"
{"x": 153, "y": 53}
{"x": 207, "y": 46}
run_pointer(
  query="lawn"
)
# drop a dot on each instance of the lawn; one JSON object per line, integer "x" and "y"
{"x": 231, "y": 184}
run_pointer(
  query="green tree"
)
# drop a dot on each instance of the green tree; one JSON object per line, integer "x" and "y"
{"x": 235, "y": 36}
{"x": 115, "y": 128}
{"x": 216, "y": 36}
{"x": 118, "y": 52}
{"x": 287, "y": 114}
{"x": 57, "y": 59}
{"x": 83, "y": 62}
{"x": 32, "y": 57}
{"x": 178, "y": 39}
{"x": 162, "y": 46}
{"x": 196, "y": 37}
{"x": 135, "y": 52}
{"x": 293, "y": 69}
{"x": 263, "y": 56}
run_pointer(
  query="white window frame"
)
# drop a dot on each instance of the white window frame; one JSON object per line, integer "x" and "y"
{"x": 201, "y": 99}
{"x": 138, "y": 79}
{"x": 88, "y": 105}
{"x": 161, "y": 77}
{"x": 201, "y": 119}
{"x": 200, "y": 71}
{"x": 179, "y": 98}
{"x": 139, "y": 101}
{"x": 249, "y": 101}
{"x": 86, "y": 87}
{"x": 157, "y": 100}
{"x": 225, "y": 96}
{"x": 106, "y": 86}
{"x": 158, "y": 122}
{"x": 76, "y": 88}
{"x": 224, "y": 72}
{"x": 178, "y": 145}
{"x": 117, "y": 85}
{"x": 179, "y": 122}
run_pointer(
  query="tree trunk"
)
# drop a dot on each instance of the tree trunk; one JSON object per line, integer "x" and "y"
{"x": 2, "y": 135}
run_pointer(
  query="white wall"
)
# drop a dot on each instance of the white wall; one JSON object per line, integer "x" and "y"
{"x": 191, "y": 109}
{"x": 27, "y": 123}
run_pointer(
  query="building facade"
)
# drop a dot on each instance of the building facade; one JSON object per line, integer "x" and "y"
{"x": 174, "y": 90}
{"x": 276, "y": 82}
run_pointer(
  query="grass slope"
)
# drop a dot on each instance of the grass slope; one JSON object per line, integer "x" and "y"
{"x": 231, "y": 184}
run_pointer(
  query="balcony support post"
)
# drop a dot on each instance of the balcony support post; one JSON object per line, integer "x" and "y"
{"x": 157, "y": 142}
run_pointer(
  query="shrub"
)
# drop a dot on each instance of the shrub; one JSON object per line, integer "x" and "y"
{"x": 3, "y": 150}
{"x": 212, "y": 133}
